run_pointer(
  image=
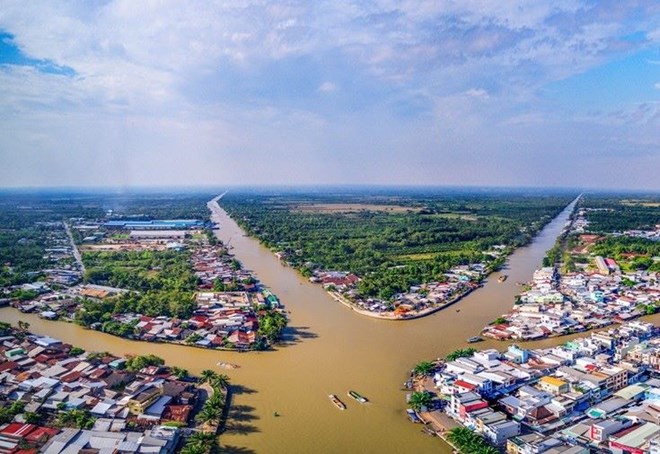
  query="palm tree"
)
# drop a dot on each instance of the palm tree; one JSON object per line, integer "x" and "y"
{"x": 420, "y": 399}
{"x": 179, "y": 372}
{"x": 201, "y": 443}
{"x": 216, "y": 400}
{"x": 193, "y": 449}
{"x": 208, "y": 376}
{"x": 210, "y": 414}
{"x": 220, "y": 381}
{"x": 23, "y": 326}
{"x": 424, "y": 368}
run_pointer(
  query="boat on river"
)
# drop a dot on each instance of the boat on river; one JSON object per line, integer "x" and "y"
{"x": 355, "y": 395}
{"x": 414, "y": 417}
{"x": 338, "y": 403}
{"x": 502, "y": 278}
{"x": 225, "y": 365}
{"x": 473, "y": 339}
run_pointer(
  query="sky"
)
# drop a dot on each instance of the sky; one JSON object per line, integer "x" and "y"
{"x": 488, "y": 93}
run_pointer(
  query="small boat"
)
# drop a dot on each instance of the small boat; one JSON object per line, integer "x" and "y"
{"x": 502, "y": 278}
{"x": 474, "y": 339}
{"x": 338, "y": 403}
{"x": 430, "y": 432}
{"x": 458, "y": 310}
{"x": 225, "y": 365}
{"x": 414, "y": 417}
{"x": 276, "y": 414}
{"x": 358, "y": 397}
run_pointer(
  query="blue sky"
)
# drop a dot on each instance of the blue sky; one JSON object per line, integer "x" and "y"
{"x": 529, "y": 93}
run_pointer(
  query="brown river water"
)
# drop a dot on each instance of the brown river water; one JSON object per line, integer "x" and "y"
{"x": 328, "y": 350}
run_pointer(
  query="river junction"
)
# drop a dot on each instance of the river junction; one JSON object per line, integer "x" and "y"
{"x": 327, "y": 350}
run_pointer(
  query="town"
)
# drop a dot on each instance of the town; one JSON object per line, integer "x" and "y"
{"x": 585, "y": 290}
{"x": 599, "y": 393}
{"x": 58, "y": 398}
{"x": 215, "y": 303}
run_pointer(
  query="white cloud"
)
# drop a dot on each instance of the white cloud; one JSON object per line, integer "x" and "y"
{"x": 223, "y": 79}
{"x": 477, "y": 93}
{"x": 327, "y": 87}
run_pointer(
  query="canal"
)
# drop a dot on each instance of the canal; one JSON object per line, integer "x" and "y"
{"x": 327, "y": 350}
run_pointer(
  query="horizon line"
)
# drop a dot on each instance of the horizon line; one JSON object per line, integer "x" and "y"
{"x": 293, "y": 186}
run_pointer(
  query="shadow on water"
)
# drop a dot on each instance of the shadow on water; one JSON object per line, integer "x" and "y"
{"x": 236, "y": 450}
{"x": 242, "y": 389}
{"x": 296, "y": 334}
{"x": 239, "y": 428}
{"x": 241, "y": 413}
{"x": 236, "y": 418}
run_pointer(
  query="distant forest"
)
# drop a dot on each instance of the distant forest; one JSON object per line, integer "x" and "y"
{"x": 616, "y": 213}
{"x": 392, "y": 240}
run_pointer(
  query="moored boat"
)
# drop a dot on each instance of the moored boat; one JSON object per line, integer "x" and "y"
{"x": 414, "y": 417}
{"x": 355, "y": 395}
{"x": 338, "y": 403}
{"x": 474, "y": 339}
{"x": 502, "y": 278}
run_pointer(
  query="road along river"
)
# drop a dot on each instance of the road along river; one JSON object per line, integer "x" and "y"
{"x": 328, "y": 350}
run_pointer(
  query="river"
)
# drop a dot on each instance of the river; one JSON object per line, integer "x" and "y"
{"x": 328, "y": 350}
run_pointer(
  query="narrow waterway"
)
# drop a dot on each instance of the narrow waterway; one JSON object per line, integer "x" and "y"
{"x": 328, "y": 350}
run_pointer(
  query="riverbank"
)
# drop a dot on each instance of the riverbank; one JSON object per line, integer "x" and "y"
{"x": 411, "y": 315}
{"x": 191, "y": 291}
{"x": 581, "y": 290}
{"x": 325, "y": 347}
{"x": 392, "y": 293}
{"x": 51, "y": 387}
{"x": 600, "y": 376}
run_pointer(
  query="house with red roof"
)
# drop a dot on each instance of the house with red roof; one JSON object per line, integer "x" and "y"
{"x": 17, "y": 430}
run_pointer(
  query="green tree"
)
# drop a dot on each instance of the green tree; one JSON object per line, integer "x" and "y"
{"x": 424, "y": 368}
{"x": 76, "y": 351}
{"x": 136, "y": 363}
{"x": 208, "y": 376}
{"x": 271, "y": 324}
{"x": 179, "y": 372}
{"x": 461, "y": 353}
{"x": 33, "y": 417}
{"x": 420, "y": 399}
{"x": 220, "y": 381}
{"x": 5, "y": 328}
{"x": 80, "y": 419}
{"x": 201, "y": 443}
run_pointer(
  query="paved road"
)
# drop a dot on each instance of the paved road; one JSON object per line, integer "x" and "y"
{"x": 76, "y": 253}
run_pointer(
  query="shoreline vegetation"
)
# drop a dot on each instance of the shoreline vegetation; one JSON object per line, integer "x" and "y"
{"x": 420, "y": 284}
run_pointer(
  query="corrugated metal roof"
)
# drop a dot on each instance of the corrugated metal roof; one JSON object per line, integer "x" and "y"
{"x": 639, "y": 436}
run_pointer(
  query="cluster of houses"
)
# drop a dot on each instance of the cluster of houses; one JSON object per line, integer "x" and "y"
{"x": 458, "y": 282}
{"x": 652, "y": 235}
{"x": 594, "y": 295}
{"x": 222, "y": 320}
{"x": 62, "y": 269}
{"x": 62, "y": 303}
{"x": 230, "y": 301}
{"x": 124, "y": 411}
{"x": 213, "y": 265}
{"x": 593, "y": 393}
